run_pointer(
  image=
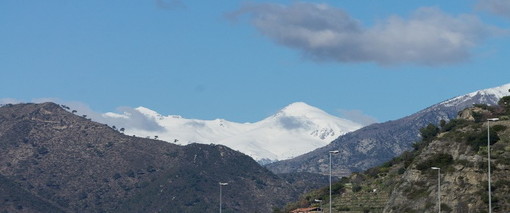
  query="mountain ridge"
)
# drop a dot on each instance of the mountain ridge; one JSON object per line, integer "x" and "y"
{"x": 378, "y": 143}
{"x": 455, "y": 152}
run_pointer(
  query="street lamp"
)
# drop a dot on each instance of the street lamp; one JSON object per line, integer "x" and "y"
{"x": 320, "y": 204}
{"x": 438, "y": 188}
{"x": 221, "y": 184}
{"x": 330, "y": 152}
{"x": 489, "y": 158}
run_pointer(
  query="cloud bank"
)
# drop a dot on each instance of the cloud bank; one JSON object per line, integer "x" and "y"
{"x": 324, "y": 33}
{"x": 357, "y": 116}
{"x": 498, "y": 7}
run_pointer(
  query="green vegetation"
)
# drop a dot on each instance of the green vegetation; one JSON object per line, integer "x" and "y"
{"x": 429, "y": 132}
{"x": 441, "y": 160}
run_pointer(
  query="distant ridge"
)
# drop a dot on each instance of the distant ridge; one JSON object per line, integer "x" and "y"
{"x": 378, "y": 143}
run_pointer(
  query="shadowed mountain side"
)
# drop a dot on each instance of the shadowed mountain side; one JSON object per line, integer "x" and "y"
{"x": 67, "y": 163}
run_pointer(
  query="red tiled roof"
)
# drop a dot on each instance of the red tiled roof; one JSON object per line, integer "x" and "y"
{"x": 300, "y": 210}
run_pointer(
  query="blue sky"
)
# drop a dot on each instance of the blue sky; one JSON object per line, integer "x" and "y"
{"x": 244, "y": 60}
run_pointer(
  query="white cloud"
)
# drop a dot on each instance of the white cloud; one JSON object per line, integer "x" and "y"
{"x": 130, "y": 118}
{"x": 324, "y": 33}
{"x": 357, "y": 116}
{"x": 498, "y": 7}
{"x": 9, "y": 101}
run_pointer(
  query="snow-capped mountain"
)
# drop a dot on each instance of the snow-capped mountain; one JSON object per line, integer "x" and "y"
{"x": 377, "y": 143}
{"x": 294, "y": 130}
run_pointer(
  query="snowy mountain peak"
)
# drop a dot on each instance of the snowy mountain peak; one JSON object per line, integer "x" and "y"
{"x": 499, "y": 92}
{"x": 299, "y": 109}
{"x": 296, "y": 129}
{"x": 483, "y": 95}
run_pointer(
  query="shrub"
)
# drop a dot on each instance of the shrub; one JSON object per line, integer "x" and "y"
{"x": 356, "y": 188}
{"x": 445, "y": 207}
{"x": 481, "y": 106}
{"x": 465, "y": 163}
{"x": 401, "y": 170}
{"x": 454, "y": 124}
{"x": 505, "y": 102}
{"x": 429, "y": 132}
{"x": 499, "y": 128}
{"x": 479, "y": 138}
{"x": 337, "y": 188}
{"x": 441, "y": 160}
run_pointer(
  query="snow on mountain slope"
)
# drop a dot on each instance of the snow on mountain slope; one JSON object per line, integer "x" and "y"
{"x": 377, "y": 143}
{"x": 482, "y": 96}
{"x": 294, "y": 130}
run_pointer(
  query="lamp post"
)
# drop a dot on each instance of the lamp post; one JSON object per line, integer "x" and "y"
{"x": 438, "y": 188}
{"x": 489, "y": 159}
{"x": 320, "y": 204}
{"x": 221, "y": 184}
{"x": 330, "y": 153}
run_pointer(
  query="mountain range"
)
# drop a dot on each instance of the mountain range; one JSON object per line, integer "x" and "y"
{"x": 377, "y": 143}
{"x": 54, "y": 161}
{"x": 292, "y": 131}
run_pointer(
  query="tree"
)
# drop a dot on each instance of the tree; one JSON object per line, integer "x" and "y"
{"x": 504, "y": 102}
{"x": 74, "y": 111}
{"x": 429, "y": 132}
{"x": 122, "y": 129}
{"x": 442, "y": 123}
{"x": 156, "y": 137}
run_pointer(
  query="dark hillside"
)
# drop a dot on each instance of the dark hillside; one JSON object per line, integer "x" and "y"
{"x": 54, "y": 161}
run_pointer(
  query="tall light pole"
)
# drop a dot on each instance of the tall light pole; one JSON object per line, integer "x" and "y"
{"x": 330, "y": 153}
{"x": 489, "y": 159}
{"x": 221, "y": 184}
{"x": 438, "y": 188}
